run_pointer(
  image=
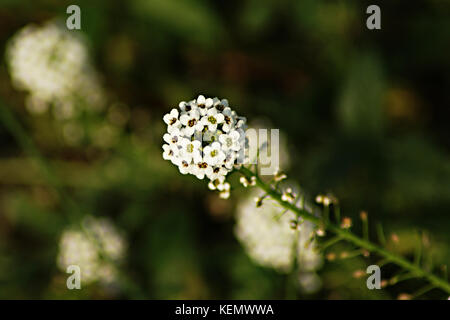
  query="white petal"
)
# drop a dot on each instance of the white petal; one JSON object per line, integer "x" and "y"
{"x": 199, "y": 126}
{"x": 215, "y": 145}
{"x": 196, "y": 144}
{"x": 195, "y": 114}
{"x": 201, "y": 99}
{"x": 209, "y": 102}
{"x": 207, "y": 150}
{"x": 234, "y": 135}
{"x": 174, "y": 113}
{"x": 227, "y": 112}
{"x": 184, "y": 119}
{"x": 167, "y": 138}
{"x": 219, "y": 117}
{"x": 166, "y": 118}
{"x": 223, "y": 139}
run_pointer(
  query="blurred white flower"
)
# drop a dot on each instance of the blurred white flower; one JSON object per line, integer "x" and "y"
{"x": 265, "y": 143}
{"x": 95, "y": 248}
{"x": 52, "y": 65}
{"x": 269, "y": 238}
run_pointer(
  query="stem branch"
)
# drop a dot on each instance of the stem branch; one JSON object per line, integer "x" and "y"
{"x": 348, "y": 235}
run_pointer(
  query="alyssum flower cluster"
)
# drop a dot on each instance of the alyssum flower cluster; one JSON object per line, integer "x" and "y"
{"x": 205, "y": 138}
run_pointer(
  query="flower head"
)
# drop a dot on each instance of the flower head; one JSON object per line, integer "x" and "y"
{"x": 268, "y": 236}
{"x": 53, "y": 66}
{"x": 204, "y": 138}
{"x": 86, "y": 246}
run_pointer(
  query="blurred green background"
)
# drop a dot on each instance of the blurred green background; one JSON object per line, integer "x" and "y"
{"x": 365, "y": 114}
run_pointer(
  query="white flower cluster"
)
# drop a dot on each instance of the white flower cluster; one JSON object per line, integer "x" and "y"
{"x": 94, "y": 249}
{"x": 52, "y": 64}
{"x": 270, "y": 235}
{"x": 205, "y": 137}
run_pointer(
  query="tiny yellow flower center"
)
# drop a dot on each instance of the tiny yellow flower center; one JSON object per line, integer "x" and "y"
{"x": 212, "y": 120}
{"x": 173, "y": 120}
{"x": 190, "y": 148}
{"x": 192, "y": 122}
{"x": 214, "y": 153}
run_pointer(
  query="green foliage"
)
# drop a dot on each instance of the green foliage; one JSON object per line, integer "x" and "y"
{"x": 365, "y": 114}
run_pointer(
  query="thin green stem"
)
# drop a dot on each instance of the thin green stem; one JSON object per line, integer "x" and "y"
{"x": 365, "y": 226}
{"x": 349, "y": 236}
{"x": 401, "y": 277}
{"x": 330, "y": 242}
{"x": 423, "y": 291}
{"x": 337, "y": 213}
{"x": 380, "y": 234}
{"x": 418, "y": 253}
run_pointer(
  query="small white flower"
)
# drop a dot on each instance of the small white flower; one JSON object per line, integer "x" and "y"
{"x": 170, "y": 153}
{"x": 187, "y": 106}
{"x": 204, "y": 104}
{"x": 225, "y": 186}
{"x": 241, "y": 122}
{"x": 279, "y": 175}
{"x": 186, "y": 167}
{"x": 224, "y": 189}
{"x": 174, "y": 137}
{"x": 190, "y": 150}
{"x": 213, "y": 155}
{"x": 216, "y": 173}
{"x": 230, "y": 160}
{"x": 214, "y": 184}
{"x": 229, "y": 120}
{"x": 243, "y": 180}
{"x": 220, "y": 105}
{"x": 171, "y": 119}
{"x": 288, "y": 195}
{"x": 191, "y": 122}
{"x": 230, "y": 141}
{"x": 212, "y": 119}
{"x": 200, "y": 169}
{"x": 210, "y": 136}
{"x": 224, "y": 194}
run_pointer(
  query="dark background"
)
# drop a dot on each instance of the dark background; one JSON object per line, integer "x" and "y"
{"x": 365, "y": 114}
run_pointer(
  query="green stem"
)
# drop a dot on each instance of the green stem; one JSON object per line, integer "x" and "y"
{"x": 349, "y": 236}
